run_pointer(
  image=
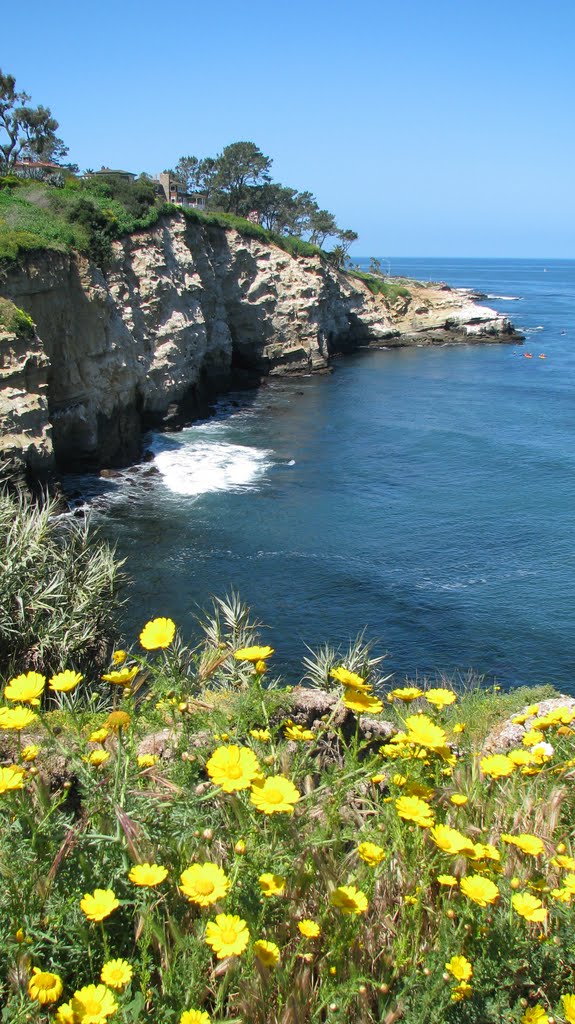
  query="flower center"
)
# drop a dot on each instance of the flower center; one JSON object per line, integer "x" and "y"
{"x": 234, "y": 771}
{"x": 274, "y": 796}
{"x": 228, "y": 936}
{"x": 92, "y": 1006}
{"x": 204, "y": 886}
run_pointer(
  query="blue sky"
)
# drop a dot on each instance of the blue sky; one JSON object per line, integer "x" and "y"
{"x": 432, "y": 128}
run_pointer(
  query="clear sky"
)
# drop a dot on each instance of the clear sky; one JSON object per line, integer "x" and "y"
{"x": 431, "y": 127}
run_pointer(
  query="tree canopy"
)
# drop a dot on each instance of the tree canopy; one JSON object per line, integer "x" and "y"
{"x": 238, "y": 180}
{"x": 25, "y": 131}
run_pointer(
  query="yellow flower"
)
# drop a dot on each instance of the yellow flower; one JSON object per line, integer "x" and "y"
{"x": 459, "y": 727}
{"x": 118, "y": 720}
{"x": 425, "y": 733}
{"x": 16, "y": 718}
{"x": 520, "y": 757}
{"x": 63, "y": 682}
{"x": 497, "y": 766}
{"x": 121, "y": 678}
{"x": 99, "y": 904}
{"x": 532, "y": 737}
{"x": 44, "y": 986}
{"x": 65, "y": 1014}
{"x": 461, "y": 991}
{"x": 535, "y": 1015}
{"x": 99, "y": 735}
{"x": 563, "y": 895}
{"x": 362, "y": 703}
{"x": 92, "y": 1004}
{"x": 406, "y": 693}
{"x": 481, "y": 890}
{"x": 27, "y": 688}
{"x": 147, "y": 760}
{"x": 411, "y": 808}
{"x": 195, "y": 1017}
{"x": 460, "y": 968}
{"x": 147, "y": 874}
{"x": 371, "y": 853}
{"x": 528, "y": 906}
{"x": 11, "y": 778}
{"x": 298, "y": 733}
{"x": 30, "y": 753}
{"x": 157, "y": 633}
{"x": 526, "y": 843}
{"x": 119, "y": 657}
{"x": 233, "y": 768}
{"x": 440, "y": 697}
{"x": 275, "y": 795}
{"x": 204, "y": 883}
{"x": 309, "y": 929}
{"x": 267, "y": 952}
{"x": 450, "y": 840}
{"x": 449, "y": 880}
{"x": 349, "y": 900}
{"x": 253, "y": 653}
{"x": 116, "y": 974}
{"x": 569, "y": 883}
{"x": 228, "y": 935}
{"x": 263, "y": 735}
{"x": 568, "y": 1001}
{"x": 260, "y": 667}
{"x": 97, "y": 757}
{"x": 562, "y": 861}
{"x": 272, "y": 885}
{"x": 484, "y": 851}
{"x": 458, "y": 799}
{"x": 349, "y": 679}
{"x": 376, "y": 779}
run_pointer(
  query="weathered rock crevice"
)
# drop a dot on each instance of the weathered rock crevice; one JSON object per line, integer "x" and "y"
{"x": 183, "y": 312}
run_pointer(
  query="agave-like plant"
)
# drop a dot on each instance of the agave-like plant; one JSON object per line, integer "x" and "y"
{"x": 358, "y": 657}
{"x": 59, "y": 589}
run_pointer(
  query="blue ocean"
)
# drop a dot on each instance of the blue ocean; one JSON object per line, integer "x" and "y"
{"x": 424, "y": 495}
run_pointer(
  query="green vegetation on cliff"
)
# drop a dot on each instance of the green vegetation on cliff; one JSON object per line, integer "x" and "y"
{"x": 391, "y": 290}
{"x": 15, "y": 320}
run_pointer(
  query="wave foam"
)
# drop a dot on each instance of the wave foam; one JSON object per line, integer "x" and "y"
{"x": 505, "y": 298}
{"x": 203, "y": 467}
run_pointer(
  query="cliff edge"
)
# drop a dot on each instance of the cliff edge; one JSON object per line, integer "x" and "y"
{"x": 185, "y": 311}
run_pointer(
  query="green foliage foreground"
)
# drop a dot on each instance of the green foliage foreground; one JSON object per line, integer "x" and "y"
{"x": 173, "y": 847}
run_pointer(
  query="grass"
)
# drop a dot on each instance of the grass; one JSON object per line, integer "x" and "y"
{"x": 86, "y": 808}
{"x": 87, "y": 215}
{"x": 15, "y": 320}
{"x": 390, "y": 289}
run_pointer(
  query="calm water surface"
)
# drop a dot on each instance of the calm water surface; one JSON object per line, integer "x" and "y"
{"x": 426, "y": 494}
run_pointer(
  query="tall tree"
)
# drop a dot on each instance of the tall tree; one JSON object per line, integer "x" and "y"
{"x": 24, "y": 130}
{"x": 196, "y": 175}
{"x": 238, "y": 167}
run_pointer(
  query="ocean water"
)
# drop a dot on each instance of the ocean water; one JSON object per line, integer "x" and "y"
{"x": 426, "y": 495}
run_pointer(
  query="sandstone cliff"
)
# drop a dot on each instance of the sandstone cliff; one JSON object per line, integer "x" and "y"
{"x": 183, "y": 312}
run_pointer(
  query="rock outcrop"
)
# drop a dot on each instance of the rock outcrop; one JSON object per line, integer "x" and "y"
{"x": 183, "y": 312}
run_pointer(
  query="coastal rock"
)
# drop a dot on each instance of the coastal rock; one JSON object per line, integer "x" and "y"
{"x": 507, "y": 735}
{"x": 183, "y": 312}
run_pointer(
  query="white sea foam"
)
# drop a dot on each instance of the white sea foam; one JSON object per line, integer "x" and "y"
{"x": 531, "y": 330}
{"x": 201, "y": 467}
{"x": 505, "y": 298}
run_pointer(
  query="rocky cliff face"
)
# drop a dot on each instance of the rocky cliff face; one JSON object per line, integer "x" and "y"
{"x": 183, "y": 312}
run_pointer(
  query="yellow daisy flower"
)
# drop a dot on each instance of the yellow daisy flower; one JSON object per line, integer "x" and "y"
{"x": 93, "y": 1004}
{"x": 526, "y": 843}
{"x": 204, "y": 883}
{"x": 30, "y": 753}
{"x": 116, "y": 974}
{"x": 480, "y": 890}
{"x": 16, "y": 718}
{"x": 27, "y": 688}
{"x": 298, "y": 733}
{"x": 272, "y": 885}
{"x": 460, "y": 968}
{"x": 349, "y": 900}
{"x": 99, "y": 904}
{"x": 228, "y": 935}
{"x": 440, "y": 697}
{"x": 412, "y": 808}
{"x": 157, "y": 633}
{"x": 351, "y": 680}
{"x": 254, "y": 653}
{"x": 528, "y": 906}
{"x": 308, "y": 928}
{"x": 362, "y": 703}
{"x": 406, "y": 693}
{"x": 11, "y": 778}
{"x": 497, "y": 766}
{"x": 63, "y": 682}
{"x": 371, "y": 853}
{"x": 233, "y": 768}
{"x": 123, "y": 677}
{"x": 44, "y": 986}
{"x": 147, "y": 875}
{"x": 195, "y": 1017}
{"x": 147, "y": 760}
{"x": 275, "y": 795}
{"x": 267, "y": 952}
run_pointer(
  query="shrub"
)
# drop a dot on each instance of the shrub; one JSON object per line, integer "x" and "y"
{"x": 58, "y": 589}
{"x": 391, "y": 290}
{"x": 15, "y": 320}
